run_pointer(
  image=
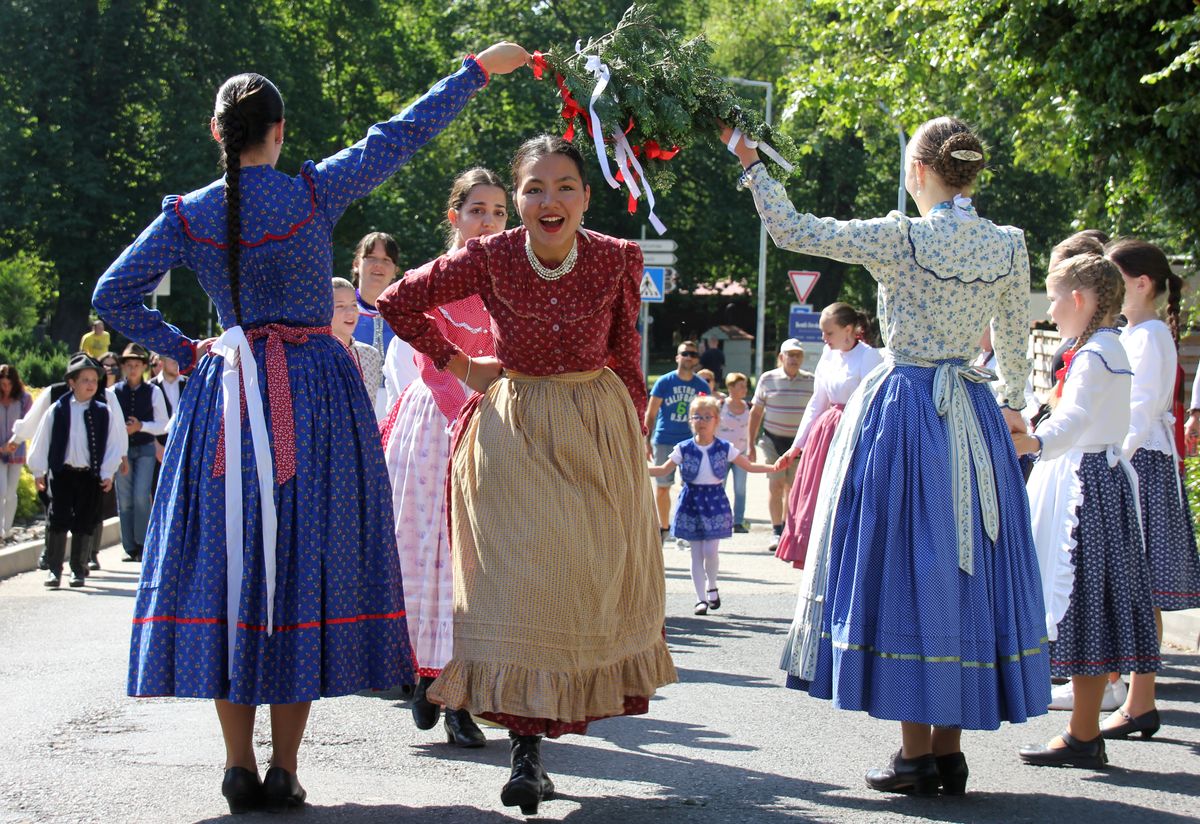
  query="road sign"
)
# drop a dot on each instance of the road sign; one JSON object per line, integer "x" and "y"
{"x": 804, "y": 324}
{"x": 652, "y": 284}
{"x": 803, "y": 283}
{"x": 658, "y": 259}
{"x": 657, "y": 245}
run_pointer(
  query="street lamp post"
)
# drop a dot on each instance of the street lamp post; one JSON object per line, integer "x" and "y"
{"x": 761, "y": 332}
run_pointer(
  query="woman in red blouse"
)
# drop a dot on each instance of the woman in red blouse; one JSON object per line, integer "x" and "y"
{"x": 558, "y": 575}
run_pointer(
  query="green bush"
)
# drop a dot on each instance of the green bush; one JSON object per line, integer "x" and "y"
{"x": 26, "y": 291}
{"x": 39, "y": 361}
{"x": 28, "y": 505}
{"x": 1191, "y": 482}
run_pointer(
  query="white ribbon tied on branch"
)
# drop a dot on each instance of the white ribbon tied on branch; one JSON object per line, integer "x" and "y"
{"x": 761, "y": 145}
{"x": 621, "y": 148}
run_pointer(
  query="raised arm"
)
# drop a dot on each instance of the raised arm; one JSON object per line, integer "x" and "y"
{"x": 624, "y": 341}
{"x": 120, "y": 292}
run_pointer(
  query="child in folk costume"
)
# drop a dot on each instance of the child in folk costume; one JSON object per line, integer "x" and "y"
{"x": 1150, "y": 446}
{"x": 845, "y": 362}
{"x": 734, "y": 427}
{"x": 345, "y": 321}
{"x": 270, "y": 574}
{"x": 74, "y": 456}
{"x": 416, "y": 446}
{"x": 1083, "y": 496}
{"x": 702, "y": 516}
{"x": 920, "y": 601}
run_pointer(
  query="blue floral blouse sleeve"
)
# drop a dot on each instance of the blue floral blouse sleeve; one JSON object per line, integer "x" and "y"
{"x": 1011, "y": 331}
{"x": 119, "y": 294}
{"x": 357, "y": 170}
{"x": 872, "y": 243}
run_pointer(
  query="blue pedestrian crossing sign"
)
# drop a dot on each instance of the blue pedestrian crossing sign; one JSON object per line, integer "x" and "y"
{"x": 804, "y": 324}
{"x": 653, "y": 282}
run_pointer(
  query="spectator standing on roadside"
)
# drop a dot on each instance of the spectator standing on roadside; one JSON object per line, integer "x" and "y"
{"x": 734, "y": 427}
{"x": 14, "y": 405}
{"x": 779, "y": 400}
{"x": 713, "y": 359}
{"x": 96, "y": 342}
{"x": 666, "y": 423}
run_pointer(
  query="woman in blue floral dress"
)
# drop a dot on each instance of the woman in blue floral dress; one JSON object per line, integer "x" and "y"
{"x": 921, "y": 601}
{"x": 270, "y": 574}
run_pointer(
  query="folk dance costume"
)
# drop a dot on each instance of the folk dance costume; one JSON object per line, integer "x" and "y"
{"x": 284, "y": 587}
{"x": 920, "y": 599}
{"x": 369, "y": 363}
{"x": 417, "y": 450}
{"x": 1150, "y": 446}
{"x": 558, "y": 572}
{"x": 702, "y": 515}
{"x": 1095, "y": 578}
{"x": 838, "y": 374}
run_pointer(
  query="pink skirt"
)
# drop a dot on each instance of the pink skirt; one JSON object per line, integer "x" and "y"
{"x": 802, "y": 500}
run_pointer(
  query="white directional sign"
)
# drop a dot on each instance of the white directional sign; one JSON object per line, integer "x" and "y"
{"x": 657, "y": 245}
{"x": 652, "y": 284}
{"x": 658, "y": 259}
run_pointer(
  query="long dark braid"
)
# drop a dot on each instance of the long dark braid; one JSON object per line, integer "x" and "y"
{"x": 248, "y": 105}
{"x": 1137, "y": 257}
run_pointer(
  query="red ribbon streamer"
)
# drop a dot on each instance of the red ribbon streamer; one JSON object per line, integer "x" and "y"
{"x": 1061, "y": 375}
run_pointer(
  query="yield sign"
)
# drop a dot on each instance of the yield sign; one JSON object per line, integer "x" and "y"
{"x": 803, "y": 283}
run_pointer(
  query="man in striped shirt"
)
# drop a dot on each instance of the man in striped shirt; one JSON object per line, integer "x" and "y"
{"x": 779, "y": 401}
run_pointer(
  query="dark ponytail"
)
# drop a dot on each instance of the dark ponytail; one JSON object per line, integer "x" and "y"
{"x": 1138, "y": 257}
{"x": 843, "y": 314}
{"x": 248, "y": 105}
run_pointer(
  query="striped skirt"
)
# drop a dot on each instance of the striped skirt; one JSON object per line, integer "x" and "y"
{"x": 558, "y": 574}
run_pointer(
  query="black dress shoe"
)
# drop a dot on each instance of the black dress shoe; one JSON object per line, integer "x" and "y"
{"x": 76, "y": 581}
{"x": 1089, "y": 755}
{"x": 282, "y": 791}
{"x": 952, "y": 772}
{"x": 462, "y": 730}
{"x": 1147, "y": 724}
{"x": 714, "y": 600}
{"x": 915, "y": 776}
{"x": 93, "y": 565}
{"x": 242, "y": 790}
{"x": 52, "y": 581}
{"x": 425, "y": 713}
{"x": 529, "y": 784}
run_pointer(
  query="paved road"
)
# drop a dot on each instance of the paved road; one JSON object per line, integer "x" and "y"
{"x": 727, "y": 744}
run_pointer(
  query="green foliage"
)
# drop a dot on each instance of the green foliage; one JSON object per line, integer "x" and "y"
{"x": 28, "y": 504}
{"x": 26, "y": 288}
{"x": 663, "y": 91}
{"x": 39, "y": 360}
{"x": 1191, "y": 469}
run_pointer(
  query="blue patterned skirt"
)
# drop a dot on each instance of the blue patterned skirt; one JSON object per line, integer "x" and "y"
{"x": 1109, "y": 624}
{"x": 702, "y": 513}
{"x": 906, "y": 634}
{"x": 1167, "y": 527}
{"x": 339, "y": 604}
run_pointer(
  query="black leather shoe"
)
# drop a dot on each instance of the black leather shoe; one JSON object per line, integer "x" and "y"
{"x": 462, "y": 730}
{"x": 952, "y": 772}
{"x": 93, "y": 565}
{"x": 282, "y": 791}
{"x": 1088, "y": 755}
{"x": 1147, "y": 724}
{"x": 242, "y": 790}
{"x": 914, "y": 776}
{"x": 52, "y": 581}
{"x": 76, "y": 581}
{"x": 424, "y": 712}
{"x": 529, "y": 784}
{"x": 714, "y": 600}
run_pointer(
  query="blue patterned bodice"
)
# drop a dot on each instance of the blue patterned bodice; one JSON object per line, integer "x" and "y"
{"x": 718, "y": 459}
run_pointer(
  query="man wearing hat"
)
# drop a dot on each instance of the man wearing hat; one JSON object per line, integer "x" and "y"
{"x": 779, "y": 400}
{"x": 74, "y": 455}
{"x": 144, "y": 411}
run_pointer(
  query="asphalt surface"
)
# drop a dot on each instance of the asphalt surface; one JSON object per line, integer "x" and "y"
{"x": 726, "y": 744}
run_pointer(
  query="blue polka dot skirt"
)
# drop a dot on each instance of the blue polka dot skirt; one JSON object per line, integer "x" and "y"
{"x": 1167, "y": 527}
{"x": 1109, "y": 625}
{"x": 702, "y": 513}
{"x": 339, "y": 605}
{"x": 907, "y": 635}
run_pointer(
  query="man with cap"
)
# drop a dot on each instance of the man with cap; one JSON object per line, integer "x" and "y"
{"x": 144, "y": 411}
{"x": 74, "y": 456}
{"x": 779, "y": 400}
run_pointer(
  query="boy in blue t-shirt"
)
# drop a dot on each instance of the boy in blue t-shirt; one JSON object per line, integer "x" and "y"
{"x": 667, "y": 420}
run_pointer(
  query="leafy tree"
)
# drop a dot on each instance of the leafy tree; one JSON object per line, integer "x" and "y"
{"x": 26, "y": 288}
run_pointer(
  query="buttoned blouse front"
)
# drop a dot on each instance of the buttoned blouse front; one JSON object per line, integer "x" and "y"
{"x": 585, "y": 320}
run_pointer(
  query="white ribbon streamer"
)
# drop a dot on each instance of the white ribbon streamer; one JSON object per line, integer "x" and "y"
{"x": 233, "y": 347}
{"x": 599, "y": 71}
{"x": 761, "y": 145}
{"x": 625, "y": 158}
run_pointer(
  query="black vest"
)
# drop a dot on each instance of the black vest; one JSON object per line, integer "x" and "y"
{"x": 137, "y": 403}
{"x": 95, "y": 421}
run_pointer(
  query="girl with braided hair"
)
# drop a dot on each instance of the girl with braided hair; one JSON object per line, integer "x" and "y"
{"x": 270, "y": 574}
{"x": 1095, "y": 578}
{"x": 1150, "y": 446}
{"x": 920, "y": 601}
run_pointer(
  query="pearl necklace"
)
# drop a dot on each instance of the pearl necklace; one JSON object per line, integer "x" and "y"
{"x": 544, "y": 272}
